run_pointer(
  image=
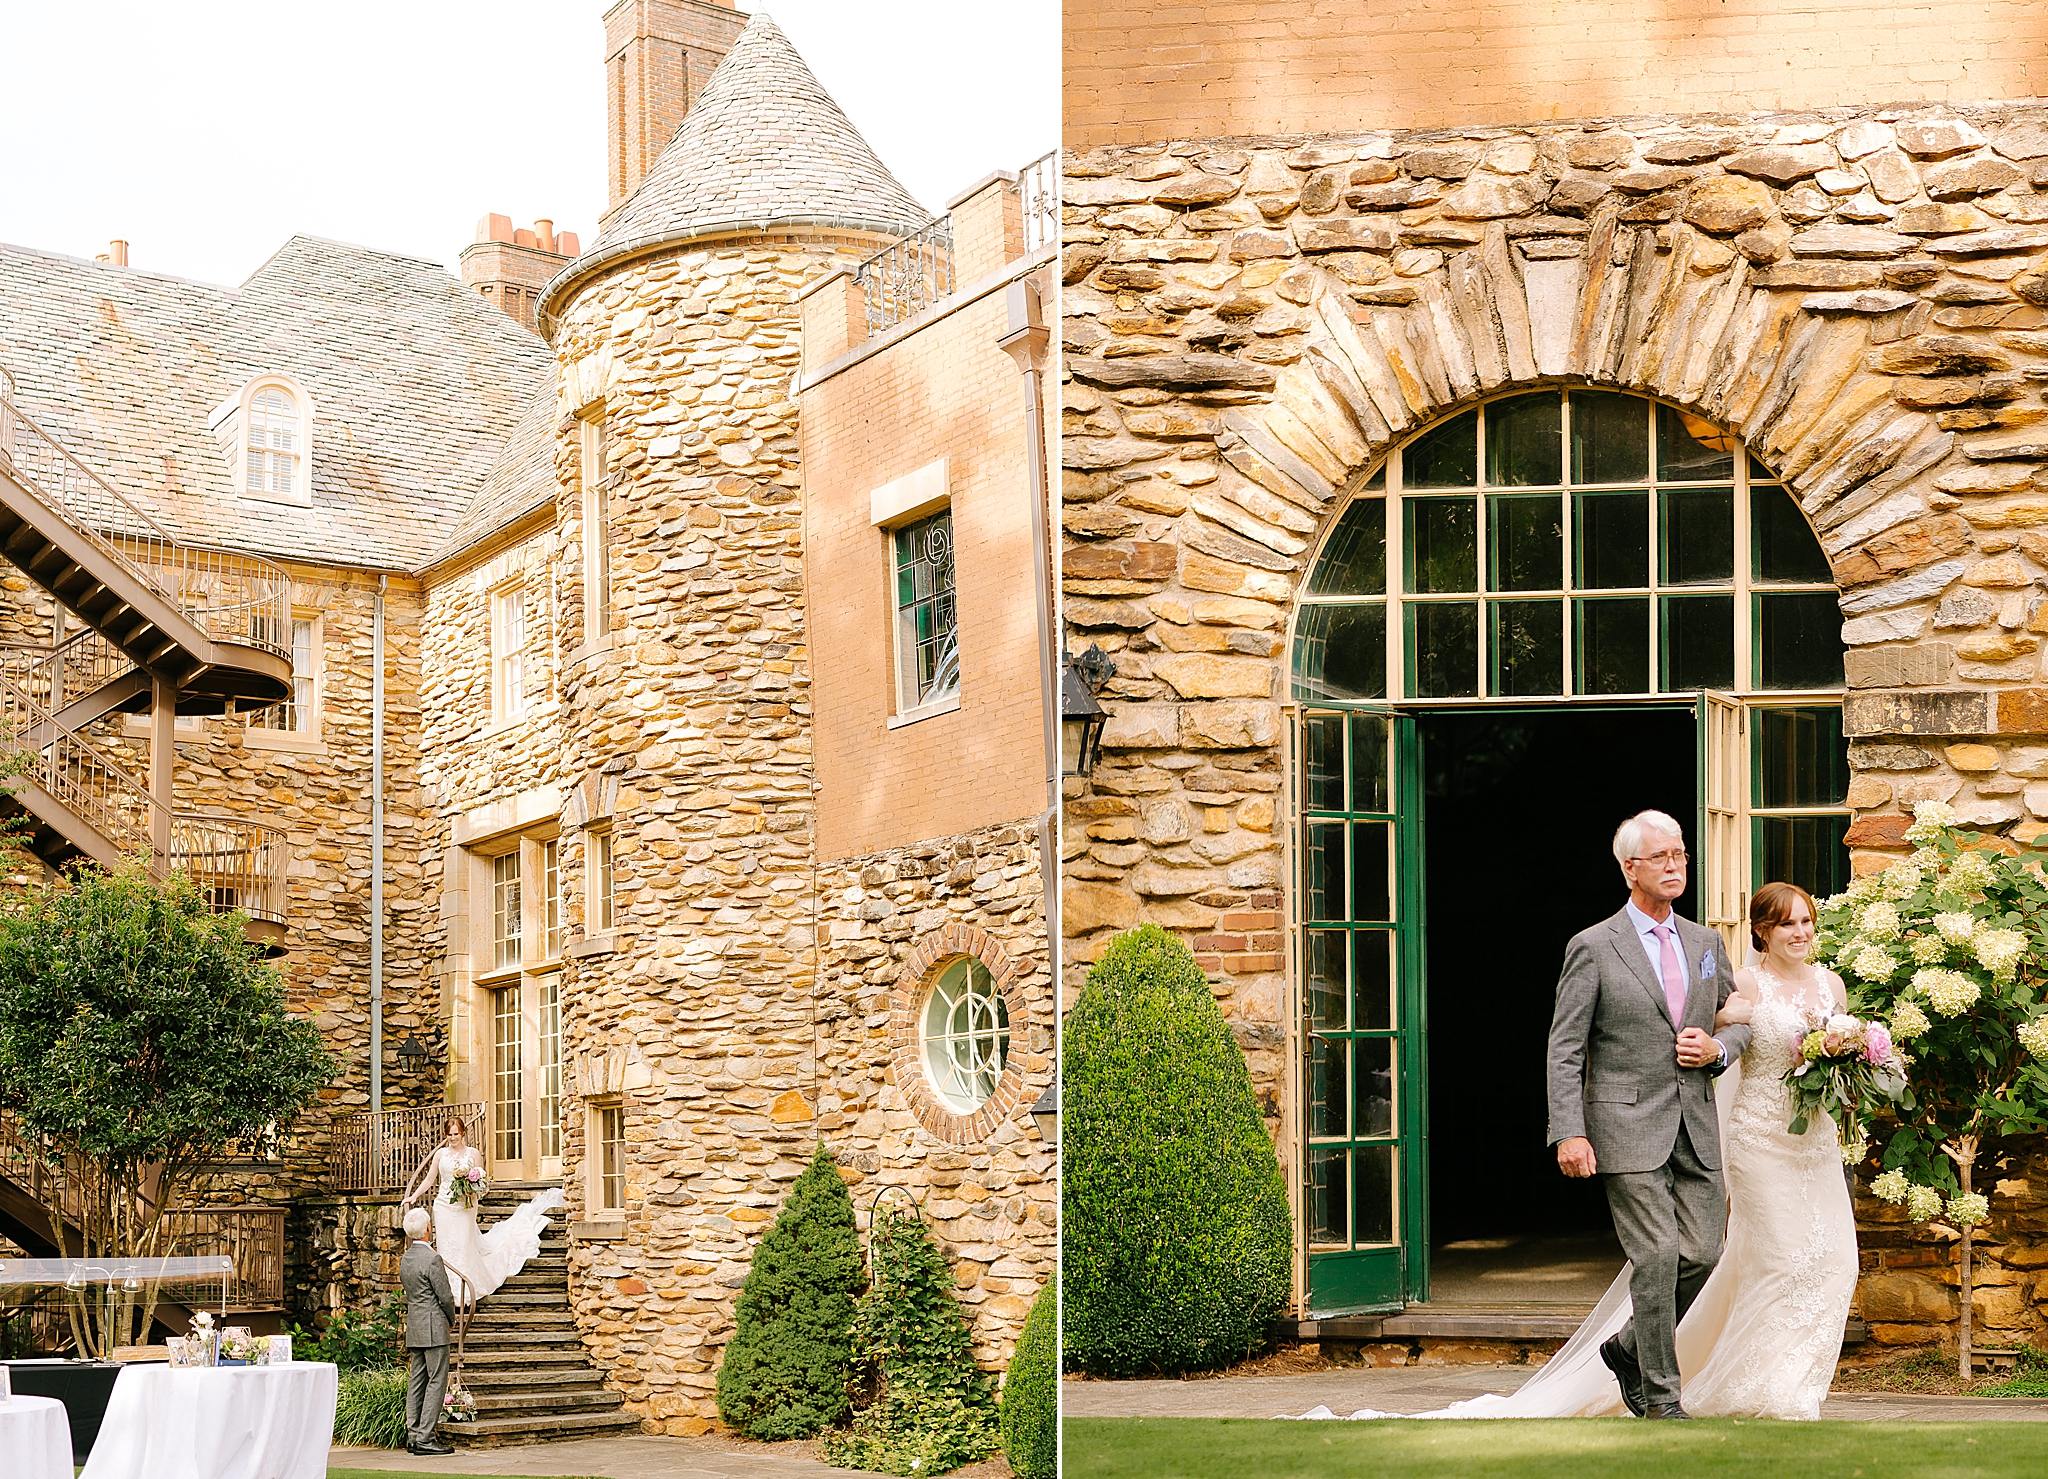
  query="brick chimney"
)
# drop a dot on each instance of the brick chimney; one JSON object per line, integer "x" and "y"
{"x": 510, "y": 267}
{"x": 658, "y": 54}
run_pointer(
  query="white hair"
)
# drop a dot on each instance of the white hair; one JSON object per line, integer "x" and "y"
{"x": 417, "y": 1222}
{"x": 1629, "y": 836}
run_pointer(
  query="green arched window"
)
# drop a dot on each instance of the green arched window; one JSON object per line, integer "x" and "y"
{"x": 1568, "y": 542}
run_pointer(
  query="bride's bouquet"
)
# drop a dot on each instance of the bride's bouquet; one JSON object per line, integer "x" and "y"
{"x": 457, "y": 1405}
{"x": 466, "y": 1187}
{"x": 1843, "y": 1062}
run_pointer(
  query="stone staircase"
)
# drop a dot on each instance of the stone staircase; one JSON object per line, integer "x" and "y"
{"x": 524, "y": 1361}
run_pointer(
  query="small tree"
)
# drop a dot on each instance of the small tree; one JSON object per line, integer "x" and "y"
{"x": 1031, "y": 1419}
{"x": 934, "y": 1409}
{"x": 1950, "y": 948}
{"x": 140, "y": 1036}
{"x": 787, "y": 1366}
{"x": 1176, "y": 1241}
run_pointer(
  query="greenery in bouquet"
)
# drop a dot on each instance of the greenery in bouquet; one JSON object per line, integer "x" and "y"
{"x": 1948, "y": 950}
{"x": 467, "y": 1187}
{"x": 1846, "y": 1067}
{"x": 457, "y": 1405}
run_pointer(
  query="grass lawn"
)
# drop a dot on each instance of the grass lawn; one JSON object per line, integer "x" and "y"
{"x": 1564, "y": 1448}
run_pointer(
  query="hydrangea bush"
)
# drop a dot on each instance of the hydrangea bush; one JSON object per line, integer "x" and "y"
{"x": 1948, "y": 948}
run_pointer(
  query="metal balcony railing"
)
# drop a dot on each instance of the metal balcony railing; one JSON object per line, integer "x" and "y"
{"x": 230, "y": 597}
{"x": 1038, "y": 189}
{"x": 253, "y": 1236}
{"x": 59, "y": 676}
{"x": 380, "y": 1152}
{"x": 906, "y": 277}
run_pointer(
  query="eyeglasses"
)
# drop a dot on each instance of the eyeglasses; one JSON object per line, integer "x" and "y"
{"x": 1665, "y": 859}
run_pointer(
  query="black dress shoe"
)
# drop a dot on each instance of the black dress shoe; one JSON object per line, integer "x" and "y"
{"x": 1670, "y": 1411}
{"x": 1626, "y": 1372}
{"x": 440, "y": 1450}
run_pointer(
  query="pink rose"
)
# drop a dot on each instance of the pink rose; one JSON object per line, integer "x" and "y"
{"x": 476, "y": 1173}
{"x": 1877, "y": 1044}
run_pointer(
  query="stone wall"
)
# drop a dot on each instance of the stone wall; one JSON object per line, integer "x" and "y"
{"x": 1251, "y": 324}
{"x": 341, "y": 1254}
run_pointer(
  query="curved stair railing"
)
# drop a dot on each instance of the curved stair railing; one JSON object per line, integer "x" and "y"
{"x": 230, "y": 597}
{"x": 57, "y": 677}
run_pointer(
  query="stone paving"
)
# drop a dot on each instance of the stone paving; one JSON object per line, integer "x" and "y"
{"x": 1423, "y": 1389}
{"x": 608, "y": 1458}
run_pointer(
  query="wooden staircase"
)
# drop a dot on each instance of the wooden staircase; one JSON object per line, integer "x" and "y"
{"x": 524, "y": 1360}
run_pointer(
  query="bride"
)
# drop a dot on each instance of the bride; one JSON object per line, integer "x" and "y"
{"x": 480, "y": 1261}
{"x": 1763, "y": 1336}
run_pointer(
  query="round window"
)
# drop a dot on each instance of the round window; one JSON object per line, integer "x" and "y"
{"x": 966, "y": 1035}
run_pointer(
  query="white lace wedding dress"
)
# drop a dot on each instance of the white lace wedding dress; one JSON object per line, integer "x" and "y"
{"x": 1762, "y": 1338}
{"x": 484, "y": 1260}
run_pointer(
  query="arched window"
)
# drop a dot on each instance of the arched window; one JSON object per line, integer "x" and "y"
{"x": 273, "y": 443}
{"x": 1568, "y": 542}
{"x": 966, "y": 1032}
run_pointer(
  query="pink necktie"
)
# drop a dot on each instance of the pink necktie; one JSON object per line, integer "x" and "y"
{"x": 1674, "y": 975}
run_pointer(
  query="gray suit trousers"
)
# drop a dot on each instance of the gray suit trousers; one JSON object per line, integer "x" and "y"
{"x": 424, "y": 1389}
{"x": 1669, "y": 1221}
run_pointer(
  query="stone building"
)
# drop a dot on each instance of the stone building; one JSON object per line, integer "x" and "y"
{"x": 1466, "y": 447}
{"x": 558, "y": 560}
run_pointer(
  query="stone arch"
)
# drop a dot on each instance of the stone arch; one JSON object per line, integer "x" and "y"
{"x": 906, "y": 1042}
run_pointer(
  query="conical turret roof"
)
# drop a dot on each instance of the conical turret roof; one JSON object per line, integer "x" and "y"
{"x": 764, "y": 143}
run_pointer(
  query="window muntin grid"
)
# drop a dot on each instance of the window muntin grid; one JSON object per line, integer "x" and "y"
{"x": 611, "y": 1157}
{"x": 273, "y": 442}
{"x": 298, "y": 714}
{"x": 1574, "y": 542}
{"x": 508, "y": 650}
{"x": 1799, "y": 793}
{"x": 927, "y": 629}
{"x": 601, "y": 905}
{"x": 1350, "y": 1005}
{"x": 505, "y": 907}
{"x": 508, "y": 1075}
{"x": 551, "y": 883}
{"x": 966, "y": 1036}
{"x": 550, "y": 1064}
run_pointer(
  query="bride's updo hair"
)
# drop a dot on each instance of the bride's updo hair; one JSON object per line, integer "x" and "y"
{"x": 1771, "y": 906}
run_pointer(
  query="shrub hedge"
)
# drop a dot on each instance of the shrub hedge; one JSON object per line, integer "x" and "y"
{"x": 787, "y": 1367}
{"x": 1031, "y": 1393}
{"x": 1177, "y": 1243}
{"x": 369, "y": 1407}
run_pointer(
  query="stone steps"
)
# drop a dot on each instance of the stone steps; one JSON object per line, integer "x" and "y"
{"x": 491, "y": 1432}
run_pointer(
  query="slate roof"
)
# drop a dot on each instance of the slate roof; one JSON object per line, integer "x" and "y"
{"x": 764, "y": 144}
{"x": 417, "y": 386}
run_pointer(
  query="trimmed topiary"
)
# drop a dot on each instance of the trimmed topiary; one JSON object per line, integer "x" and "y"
{"x": 1031, "y": 1417}
{"x": 787, "y": 1366}
{"x": 1177, "y": 1243}
{"x": 934, "y": 1409}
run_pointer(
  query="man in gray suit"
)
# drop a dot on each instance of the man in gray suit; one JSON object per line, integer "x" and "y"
{"x": 429, "y": 1306}
{"x": 1633, "y": 1054}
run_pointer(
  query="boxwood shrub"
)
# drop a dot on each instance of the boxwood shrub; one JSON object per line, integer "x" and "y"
{"x": 1177, "y": 1243}
{"x": 1031, "y": 1393}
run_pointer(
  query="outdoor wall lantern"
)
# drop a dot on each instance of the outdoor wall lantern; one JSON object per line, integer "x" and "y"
{"x": 1081, "y": 717}
{"x": 411, "y": 1056}
{"x": 1046, "y": 1115}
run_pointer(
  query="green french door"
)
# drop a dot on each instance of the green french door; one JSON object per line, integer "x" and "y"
{"x": 1364, "y": 1136}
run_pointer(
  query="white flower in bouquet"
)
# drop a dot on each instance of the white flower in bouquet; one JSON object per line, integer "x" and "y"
{"x": 202, "y": 1323}
{"x": 1908, "y": 1022}
{"x": 1928, "y": 949}
{"x": 2033, "y": 1036}
{"x": 1999, "y": 951}
{"x": 1923, "y": 1203}
{"x": 1891, "y": 1187}
{"x": 1872, "y": 963}
{"x": 1948, "y": 992}
{"x": 1880, "y": 921}
{"x": 1969, "y": 1208}
{"x": 1956, "y": 927}
{"x": 1853, "y": 1150}
{"x": 1930, "y": 819}
{"x": 1970, "y": 873}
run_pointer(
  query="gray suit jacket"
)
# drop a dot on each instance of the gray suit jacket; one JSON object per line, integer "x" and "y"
{"x": 1614, "y": 1074}
{"x": 429, "y": 1303}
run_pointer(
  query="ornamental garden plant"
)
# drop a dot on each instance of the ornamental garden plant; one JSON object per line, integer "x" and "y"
{"x": 1176, "y": 1236}
{"x": 788, "y": 1365}
{"x": 1948, "y": 948}
{"x": 1031, "y": 1439}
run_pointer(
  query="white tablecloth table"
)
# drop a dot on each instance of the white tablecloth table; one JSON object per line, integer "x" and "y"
{"x": 223, "y": 1422}
{"x": 35, "y": 1438}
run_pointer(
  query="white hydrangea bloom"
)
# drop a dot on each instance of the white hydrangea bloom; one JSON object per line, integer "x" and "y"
{"x": 1880, "y": 921}
{"x": 1872, "y": 963}
{"x": 2033, "y": 1036}
{"x": 1925, "y": 857}
{"x": 1899, "y": 880}
{"x": 1923, "y": 1203}
{"x": 1855, "y": 1149}
{"x": 1833, "y": 901}
{"x": 1908, "y": 1022}
{"x": 1970, "y": 873}
{"x": 1891, "y": 1187}
{"x": 1868, "y": 887}
{"x": 1967, "y": 1209}
{"x": 1948, "y": 992}
{"x": 1999, "y": 951}
{"x": 1929, "y": 949}
{"x": 1957, "y": 927}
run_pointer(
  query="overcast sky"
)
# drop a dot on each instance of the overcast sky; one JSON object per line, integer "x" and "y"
{"x": 206, "y": 133}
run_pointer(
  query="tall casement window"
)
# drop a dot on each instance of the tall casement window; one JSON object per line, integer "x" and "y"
{"x": 600, "y": 856}
{"x": 508, "y": 1076}
{"x": 271, "y": 463}
{"x": 927, "y": 620}
{"x": 597, "y": 534}
{"x": 508, "y": 652}
{"x": 300, "y": 714}
{"x": 966, "y": 1035}
{"x": 551, "y": 873}
{"x": 549, "y": 1062}
{"x": 507, "y": 927}
{"x": 607, "y": 1154}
